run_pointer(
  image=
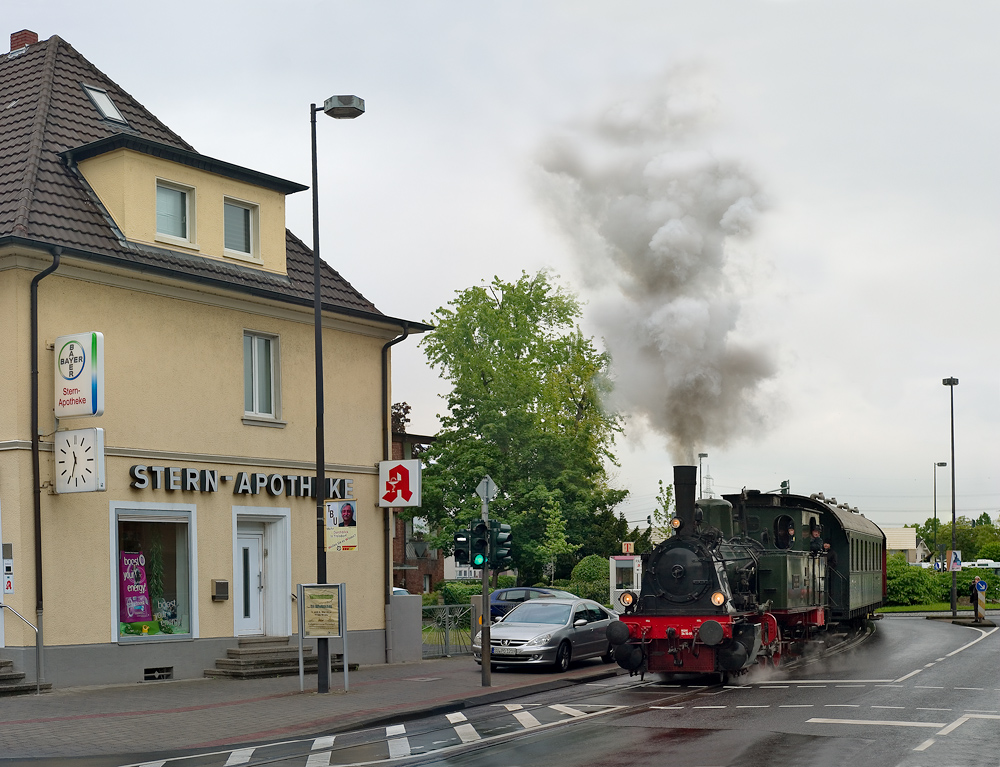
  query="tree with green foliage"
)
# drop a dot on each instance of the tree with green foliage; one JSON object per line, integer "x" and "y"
{"x": 526, "y": 409}
{"x": 591, "y": 578}
{"x": 970, "y": 534}
{"x": 990, "y": 551}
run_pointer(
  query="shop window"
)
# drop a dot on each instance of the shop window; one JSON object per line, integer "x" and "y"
{"x": 153, "y": 576}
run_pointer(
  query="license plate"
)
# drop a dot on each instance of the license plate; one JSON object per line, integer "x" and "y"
{"x": 503, "y": 650}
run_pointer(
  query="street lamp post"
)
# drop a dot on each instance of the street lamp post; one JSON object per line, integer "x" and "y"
{"x": 340, "y": 107}
{"x": 951, "y": 383}
{"x": 701, "y": 476}
{"x": 936, "y": 465}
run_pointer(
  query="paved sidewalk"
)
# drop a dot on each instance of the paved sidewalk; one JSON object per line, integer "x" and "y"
{"x": 216, "y": 713}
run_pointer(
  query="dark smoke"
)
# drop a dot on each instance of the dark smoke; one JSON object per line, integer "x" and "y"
{"x": 654, "y": 217}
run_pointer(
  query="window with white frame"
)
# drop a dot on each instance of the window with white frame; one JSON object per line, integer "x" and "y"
{"x": 240, "y": 220}
{"x": 174, "y": 212}
{"x": 152, "y": 558}
{"x": 260, "y": 375}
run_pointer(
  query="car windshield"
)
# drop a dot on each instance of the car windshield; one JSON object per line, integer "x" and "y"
{"x": 539, "y": 612}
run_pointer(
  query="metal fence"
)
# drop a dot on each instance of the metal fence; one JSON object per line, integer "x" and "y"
{"x": 446, "y": 631}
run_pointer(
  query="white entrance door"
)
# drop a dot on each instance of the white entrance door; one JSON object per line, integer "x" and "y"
{"x": 249, "y": 583}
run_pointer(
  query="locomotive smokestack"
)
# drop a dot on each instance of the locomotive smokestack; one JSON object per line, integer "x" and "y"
{"x": 685, "y": 485}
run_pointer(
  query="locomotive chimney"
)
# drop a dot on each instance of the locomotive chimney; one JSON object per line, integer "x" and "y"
{"x": 685, "y": 485}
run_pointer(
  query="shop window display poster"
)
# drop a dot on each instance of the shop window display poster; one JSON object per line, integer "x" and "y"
{"x": 133, "y": 590}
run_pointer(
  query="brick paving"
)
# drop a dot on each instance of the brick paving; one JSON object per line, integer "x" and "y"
{"x": 219, "y": 713}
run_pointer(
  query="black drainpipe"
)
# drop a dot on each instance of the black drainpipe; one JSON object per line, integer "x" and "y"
{"x": 387, "y": 455}
{"x": 36, "y": 472}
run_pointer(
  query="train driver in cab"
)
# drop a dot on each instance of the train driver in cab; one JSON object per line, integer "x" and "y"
{"x": 815, "y": 542}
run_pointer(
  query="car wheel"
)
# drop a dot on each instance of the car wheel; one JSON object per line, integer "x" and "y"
{"x": 562, "y": 657}
{"x": 609, "y": 655}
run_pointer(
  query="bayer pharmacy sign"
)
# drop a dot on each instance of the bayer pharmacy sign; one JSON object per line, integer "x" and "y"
{"x": 79, "y": 367}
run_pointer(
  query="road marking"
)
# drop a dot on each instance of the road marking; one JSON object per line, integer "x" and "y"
{"x": 885, "y": 723}
{"x": 968, "y": 688}
{"x": 395, "y": 729}
{"x": 797, "y": 705}
{"x": 775, "y": 687}
{"x": 811, "y": 686}
{"x": 526, "y": 719}
{"x": 926, "y": 687}
{"x": 159, "y": 763}
{"x": 933, "y": 709}
{"x": 925, "y": 745}
{"x": 842, "y": 705}
{"x": 940, "y": 659}
{"x": 904, "y": 678}
{"x": 325, "y": 742}
{"x": 513, "y": 706}
{"x": 322, "y": 759}
{"x": 983, "y": 636}
{"x": 709, "y": 707}
{"x": 240, "y": 756}
{"x": 467, "y": 733}
{"x": 753, "y": 707}
{"x": 901, "y": 708}
{"x": 666, "y": 708}
{"x": 979, "y": 711}
{"x": 399, "y": 747}
{"x": 566, "y": 710}
{"x": 456, "y": 717}
{"x": 850, "y": 685}
{"x": 928, "y": 665}
{"x": 962, "y": 720}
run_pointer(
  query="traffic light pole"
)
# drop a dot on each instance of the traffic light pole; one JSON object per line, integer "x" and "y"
{"x": 485, "y": 648}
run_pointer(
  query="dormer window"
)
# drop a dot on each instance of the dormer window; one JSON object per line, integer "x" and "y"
{"x": 100, "y": 99}
{"x": 241, "y": 236}
{"x": 174, "y": 213}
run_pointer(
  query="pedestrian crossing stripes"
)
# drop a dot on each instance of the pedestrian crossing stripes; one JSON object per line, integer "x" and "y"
{"x": 396, "y": 741}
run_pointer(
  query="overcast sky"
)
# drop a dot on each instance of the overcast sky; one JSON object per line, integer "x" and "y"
{"x": 790, "y": 208}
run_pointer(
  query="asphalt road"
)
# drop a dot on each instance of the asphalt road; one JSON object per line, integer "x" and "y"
{"x": 917, "y": 692}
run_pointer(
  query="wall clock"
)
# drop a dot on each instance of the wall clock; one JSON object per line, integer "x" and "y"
{"x": 79, "y": 461}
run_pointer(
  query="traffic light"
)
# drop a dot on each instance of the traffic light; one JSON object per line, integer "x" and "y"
{"x": 479, "y": 542}
{"x": 462, "y": 547}
{"x": 500, "y": 558}
{"x": 785, "y": 487}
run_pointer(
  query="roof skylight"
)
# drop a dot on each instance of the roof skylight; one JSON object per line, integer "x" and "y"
{"x": 104, "y": 104}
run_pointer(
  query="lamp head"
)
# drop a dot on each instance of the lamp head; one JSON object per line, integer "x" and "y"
{"x": 344, "y": 107}
{"x": 950, "y": 382}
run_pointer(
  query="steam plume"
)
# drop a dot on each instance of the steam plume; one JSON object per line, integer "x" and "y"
{"x": 653, "y": 216}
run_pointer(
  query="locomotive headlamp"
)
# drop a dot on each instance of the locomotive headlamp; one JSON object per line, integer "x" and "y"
{"x": 718, "y": 599}
{"x": 675, "y": 523}
{"x": 627, "y": 598}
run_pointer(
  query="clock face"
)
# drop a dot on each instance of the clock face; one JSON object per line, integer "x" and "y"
{"x": 79, "y": 461}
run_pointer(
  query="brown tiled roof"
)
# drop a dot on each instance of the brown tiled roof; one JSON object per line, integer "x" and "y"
{"x": 44, "y": 201}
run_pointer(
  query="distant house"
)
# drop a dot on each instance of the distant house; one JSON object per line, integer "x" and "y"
{"x": 905, "y": 539}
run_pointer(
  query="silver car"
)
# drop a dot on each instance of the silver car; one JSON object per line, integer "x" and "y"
{"x": 549, "y": 631}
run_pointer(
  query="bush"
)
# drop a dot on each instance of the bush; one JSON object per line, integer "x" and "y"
{"x": 459, "y": 593}
{"x": 431, "y": 599}
{"x": 591, "y": 568}
{"x": 907, "y": 584}
{"x": 506, "y": 582}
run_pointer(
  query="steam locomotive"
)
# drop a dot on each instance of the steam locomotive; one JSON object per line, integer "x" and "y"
{"x": 744, "y": 581}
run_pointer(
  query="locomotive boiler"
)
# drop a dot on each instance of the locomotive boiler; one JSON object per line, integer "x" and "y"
{"x": 748, "y": 579}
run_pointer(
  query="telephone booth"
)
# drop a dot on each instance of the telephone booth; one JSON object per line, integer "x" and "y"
{"x": 626, "y": 575}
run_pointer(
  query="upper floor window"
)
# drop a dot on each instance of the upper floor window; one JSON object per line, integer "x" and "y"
{"x": 174, "y": 211}
{"x": 260, "y": 378}
{"x": 240, "y": 219}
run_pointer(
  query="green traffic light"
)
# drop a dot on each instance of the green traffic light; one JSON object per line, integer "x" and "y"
{"x": 478, "y": 560}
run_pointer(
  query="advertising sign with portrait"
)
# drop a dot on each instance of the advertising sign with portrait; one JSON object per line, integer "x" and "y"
{"x": 342, "y": 525}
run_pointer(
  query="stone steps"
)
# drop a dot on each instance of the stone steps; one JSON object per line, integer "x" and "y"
{"x": 259, "y": 657}
{"x": 12, "y": 682}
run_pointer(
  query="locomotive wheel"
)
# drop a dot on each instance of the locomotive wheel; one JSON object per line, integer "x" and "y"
{"x": 609, "y": 655}
{"x": 562, "y": 657}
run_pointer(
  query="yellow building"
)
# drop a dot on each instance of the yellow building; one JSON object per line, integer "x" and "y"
{"x": 204, "y": 516}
